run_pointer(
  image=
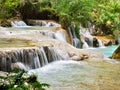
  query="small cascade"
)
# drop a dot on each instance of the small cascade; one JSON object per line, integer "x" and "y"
{"x": 117, "y": 40}
{"x": 100, "y": 43}
{"x": 75, "y": 41}
{"x": 88, "y": 40}
{"x": 42, "y": 57}
{"x": 28, "y": 58}
{"x": 48, "y": 33}
{"x": 59, "y": 35}
{"x": 18, "y": 24}
{"x": 43, "y": 23}
{"x": 85, "y": 45}
{"x": 53, "y": 24}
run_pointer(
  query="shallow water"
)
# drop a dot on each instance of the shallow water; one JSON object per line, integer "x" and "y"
{"x": 107, "y": 51}
{"x": 83, "y": 75}
{"x": 14, "y": 42}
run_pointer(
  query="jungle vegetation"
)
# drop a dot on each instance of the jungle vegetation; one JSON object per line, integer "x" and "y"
{"x": 104, "y": 14}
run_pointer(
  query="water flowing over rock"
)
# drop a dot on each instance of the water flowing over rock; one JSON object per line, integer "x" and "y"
{"x": 117, "y": 36}
{"x": 43, "y": 23}
{"x": 40, "y": 47}
{"x": 18, "y": 24}
{"x": 88, "y": 40}
{"x": 75, "y": 41}
{"x": 28, "y": 58}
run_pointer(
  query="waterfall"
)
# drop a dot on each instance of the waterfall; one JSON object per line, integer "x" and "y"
{"x": 48, "y": 34}
{"x": 88, "y": 40}
{"x": 85, "y": 45}
{"x": 100, "y": 43}
{"x": 75, "y": 41}
{"x": 18, "y": 24}
{"x": 53, "y": 24}
{"x": 42, "y": 23}
{"x": 28, "y": 58}
{"x": 59, "y": 35}
{"x": 117, "y": 39}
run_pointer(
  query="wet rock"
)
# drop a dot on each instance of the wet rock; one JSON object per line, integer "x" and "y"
{"x": 109, "y": 43}
{"x": 76, "y": 58}
{"x": 95, "y": 42}
{"x": 116, "y": 54}
{"x": 5, "y": 23}
{"x": 107, "y": 39}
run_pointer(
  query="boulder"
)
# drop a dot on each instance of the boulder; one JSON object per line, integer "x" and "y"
{"x": 116, "y": 53}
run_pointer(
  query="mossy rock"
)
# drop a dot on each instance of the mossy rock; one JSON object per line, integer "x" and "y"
{"x": 116, "y": 54}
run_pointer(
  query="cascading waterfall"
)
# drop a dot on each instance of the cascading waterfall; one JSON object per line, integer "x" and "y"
{"x": 28, "y": 58}
{"x": 75, "y": 41}
{"x": 48, "y": 34}
{"x": 59, "y": 35}
{"x": 88, "y": 40}
{"x": 100, "y": 43}
{"x": 40, "y": 23}
{"x": 18, "y": 24}
{"x": 85, "y": 45}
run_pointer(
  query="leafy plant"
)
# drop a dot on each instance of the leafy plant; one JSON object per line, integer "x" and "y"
{"x": 16, "y": 80}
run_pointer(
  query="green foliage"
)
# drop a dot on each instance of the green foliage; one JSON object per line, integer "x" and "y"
{"x": 16, "y": 80}
{"x": 77, "y": 30}
{"x": 8, "y": 8}
{"x": 105, "y": 14}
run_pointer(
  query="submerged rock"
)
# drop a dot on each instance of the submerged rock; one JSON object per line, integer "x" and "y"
{"x": 116, "y": 53}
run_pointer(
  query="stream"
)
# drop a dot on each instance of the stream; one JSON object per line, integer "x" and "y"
{"x": 82, "y": 75}
{"x": 64, "y": 74}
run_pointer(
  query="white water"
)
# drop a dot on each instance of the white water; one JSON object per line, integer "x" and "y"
{"x": 100, "y": 43}
{"x": 62, "y": 75}
{"x": 18, "y": 24}
{"x": 85, "y": 45}
{"x": 74, "y": 75}
{"x": 59, "y": 35}
{"x": 87, "y": 38}
{"x": 53, "y": 24}
{"x": 41, "y": 23}
{"x": 75, "y": 41}
{"x": 30, "y": 58}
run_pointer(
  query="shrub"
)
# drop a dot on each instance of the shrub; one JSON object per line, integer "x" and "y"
{"x": 16, "y": 80}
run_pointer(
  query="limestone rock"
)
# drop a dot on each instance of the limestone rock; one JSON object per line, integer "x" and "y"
{"x": 116, "y": 53}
